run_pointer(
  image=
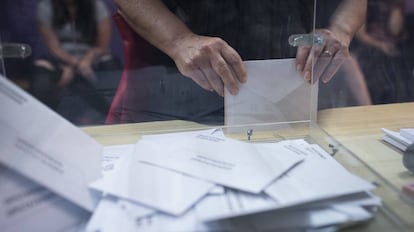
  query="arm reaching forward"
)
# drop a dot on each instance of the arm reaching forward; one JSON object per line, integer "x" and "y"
{"x": 209, "y": 61}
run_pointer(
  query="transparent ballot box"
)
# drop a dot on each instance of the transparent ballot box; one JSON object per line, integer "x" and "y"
{"x": 217, "y": 116}
{"x": 252, "y": 118}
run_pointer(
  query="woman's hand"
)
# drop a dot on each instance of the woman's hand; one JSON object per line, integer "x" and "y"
{"x": 348, "y": 18}
{"x": 84, "y": 68}
{"x": 210, "y": 62}
{"x": 325, "y": 59}
{"x": 67, "y": 76}
{"x": 389, "y": 48}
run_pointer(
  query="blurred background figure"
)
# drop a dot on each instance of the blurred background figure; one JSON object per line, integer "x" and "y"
{"x": 384, "y": 52}
{"x": 409, "y": 25}
{"x": 348, "y": 87}
{"x": 77, "y": 35}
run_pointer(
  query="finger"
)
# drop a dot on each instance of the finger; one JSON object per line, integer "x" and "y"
{"x": 214, "y": 80}
{"x": 234, "y": 60}
{"x": 321, "y": 64}
{"x": 302, "y": 54}
{"x": 192, "y": 71}
{"x": 91, "y": 74}
{"x": 204, "y": 66}
{"x": 310, "y": 62}
{"x": 223, "y": 70}
{"x": 198, "y": 77}
{"x": 333, "y": 67}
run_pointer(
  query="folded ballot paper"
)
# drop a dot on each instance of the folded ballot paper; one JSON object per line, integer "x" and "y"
{"x": 190, "y": 193}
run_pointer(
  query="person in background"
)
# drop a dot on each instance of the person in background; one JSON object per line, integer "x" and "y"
{"x": 348, "y": 86}
{"x": 76, "y": 34}
{"x": 380, "y": 47}
{"x": 409, "y": 26}
{"x": 207, "y": 40}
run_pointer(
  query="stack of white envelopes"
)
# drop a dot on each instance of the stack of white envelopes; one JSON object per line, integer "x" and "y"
{"x": 202, "y": 181}
{"x": 401, "y": 140}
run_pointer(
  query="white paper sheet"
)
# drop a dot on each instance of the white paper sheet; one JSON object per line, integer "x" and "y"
{"x": 319, "y": 176}
{"x": 46, "y": 148}
{"x": 244, "y": 166}
{"x": 152, "y": 186}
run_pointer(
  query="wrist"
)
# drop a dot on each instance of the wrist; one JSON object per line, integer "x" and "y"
{"x": 343, "y": 34}
{"x": 174, "y": 47}
{"x": 73, "y": 62}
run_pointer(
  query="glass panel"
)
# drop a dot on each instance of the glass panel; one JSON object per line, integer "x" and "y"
{"x": 138, "y": 100}
{"x": 2, "y": 68}
{"x": 95, "y": 64}
{"x": 76, "y": 64}
{"x": 380, "y": 67}
{"x": 374, "y": 89}
{"x": 155, "y": 89}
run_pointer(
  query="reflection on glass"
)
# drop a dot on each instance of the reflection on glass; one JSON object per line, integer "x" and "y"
{"x": 2, "y": 68}
{"x": 15, "y": 50}
{"x": 185, "y": 76}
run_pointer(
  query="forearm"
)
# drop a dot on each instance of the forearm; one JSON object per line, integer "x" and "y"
{"x": 93, "y": 53}
{"x": 101, "y": 43}
{"x": 63, "y": 56}
{"x": 54, "y": 46}
{"x": 348, "y": 19}
{"x": 154, "y": 22}
{"x": 356, "y": 81}
{"x": 209, "y": 61}
{"x": 366, "y": 38}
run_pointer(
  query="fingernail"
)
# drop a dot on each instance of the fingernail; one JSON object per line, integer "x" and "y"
{"x": 234, "y": 91}
{"x": 307, "y": 76}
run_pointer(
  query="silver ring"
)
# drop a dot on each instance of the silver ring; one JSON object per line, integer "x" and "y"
{"x": 327, "y": 52}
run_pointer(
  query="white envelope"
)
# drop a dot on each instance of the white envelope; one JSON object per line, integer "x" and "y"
{"x": 46, "y": 148}
{"x": 407, "y": 133}
{"x": 113, "y": 214}
{"x": 240, "y": 165}
{"x": 318, "y": 177}
{"x": 152, "y": 186}
{"x": 274, "y": 92}
{"x": 112, "y": 157}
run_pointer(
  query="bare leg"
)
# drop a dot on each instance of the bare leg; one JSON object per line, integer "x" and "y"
{"x": 356, "y": 81}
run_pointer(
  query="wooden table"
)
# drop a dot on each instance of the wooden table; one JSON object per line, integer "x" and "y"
{"x": 358, "y": 132}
